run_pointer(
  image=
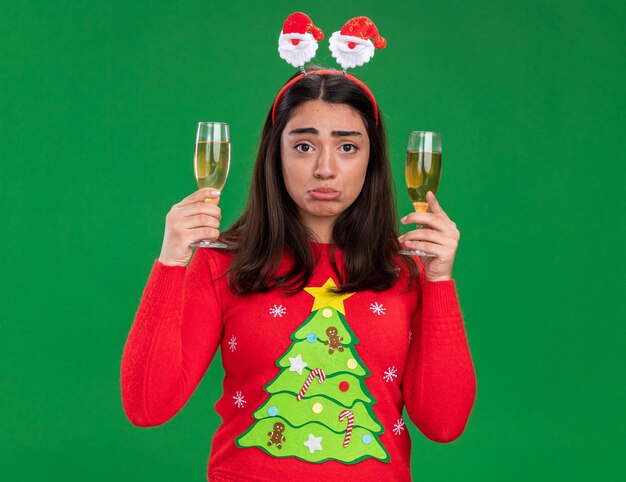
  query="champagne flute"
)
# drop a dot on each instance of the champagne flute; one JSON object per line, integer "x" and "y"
{"x": 211, "y": 163}
{"x": 422, "y": 172}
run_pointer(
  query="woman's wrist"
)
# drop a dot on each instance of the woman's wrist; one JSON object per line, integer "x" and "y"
{"x": 166, "y": 262}
{"x": 436, "y": 279}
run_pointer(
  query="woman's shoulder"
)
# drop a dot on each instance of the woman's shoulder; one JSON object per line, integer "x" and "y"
{"x": 218, "y": 260}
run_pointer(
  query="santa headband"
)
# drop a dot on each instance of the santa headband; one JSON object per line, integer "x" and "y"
{"x": 352, "y": 47}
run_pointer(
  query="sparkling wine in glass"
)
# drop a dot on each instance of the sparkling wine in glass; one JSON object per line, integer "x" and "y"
{"x": 211, "y": 163}
{"x": 422, "y": 172}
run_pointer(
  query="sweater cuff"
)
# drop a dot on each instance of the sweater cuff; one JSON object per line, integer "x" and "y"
{"x": 440, "y": 299}
{"x": 165, "y": 281}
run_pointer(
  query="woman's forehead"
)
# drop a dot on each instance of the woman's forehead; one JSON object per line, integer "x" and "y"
{"x": 325, "y": 117}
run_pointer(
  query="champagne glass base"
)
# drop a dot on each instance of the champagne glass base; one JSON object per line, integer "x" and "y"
{"x": 415, "y": 252}
{"x": 209, "y": 244}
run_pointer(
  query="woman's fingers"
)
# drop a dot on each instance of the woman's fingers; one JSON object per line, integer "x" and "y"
{"x": 199, "y": 196}
{"x": 436, "y": 218}
{"x": 435, "y": 221}
{"x": 199, "y": 207}
{"x": 434, "y": 205}
{"x": 439, "y": 236}
{"x": 204, "y": 232}
{"x": 438, "y": 250}
{"x": 198, "y": 221}
{"x": 430, "y": 236}
{"x": 443, "y": 247}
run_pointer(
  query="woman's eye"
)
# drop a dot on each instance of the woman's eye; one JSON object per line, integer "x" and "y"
{"x": 348, "y": 148}
{"x": 303, "y": 148}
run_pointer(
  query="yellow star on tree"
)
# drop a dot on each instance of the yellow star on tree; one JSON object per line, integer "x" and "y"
{"x": 325, "y": 297}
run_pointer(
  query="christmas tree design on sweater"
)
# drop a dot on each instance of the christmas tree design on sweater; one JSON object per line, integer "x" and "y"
{"x": 319, "y": 407}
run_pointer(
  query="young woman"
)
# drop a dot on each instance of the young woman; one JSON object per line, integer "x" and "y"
{"x": 313, "y": 287}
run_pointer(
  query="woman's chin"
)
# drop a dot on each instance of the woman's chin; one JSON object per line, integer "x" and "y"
{"x": 325, "y": 210}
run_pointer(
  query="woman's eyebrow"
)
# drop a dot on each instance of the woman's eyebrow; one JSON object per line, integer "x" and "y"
{"x": 313, "y": 130}
{"x": 304, "y": 130}
{"x": 345, "y": 133}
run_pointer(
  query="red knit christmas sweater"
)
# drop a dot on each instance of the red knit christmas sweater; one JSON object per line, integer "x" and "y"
{"x": 315, "y": 383}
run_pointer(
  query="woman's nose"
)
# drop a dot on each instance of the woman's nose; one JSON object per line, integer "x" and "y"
{"x": 325, "y": 167}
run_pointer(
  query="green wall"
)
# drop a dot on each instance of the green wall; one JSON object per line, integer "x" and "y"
{"x": 98, "y": 107}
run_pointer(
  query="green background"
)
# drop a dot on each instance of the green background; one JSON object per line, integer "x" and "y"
{"x": 98, "y": 107}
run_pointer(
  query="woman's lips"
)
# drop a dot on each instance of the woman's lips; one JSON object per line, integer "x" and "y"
{"x": 324, "y": 194}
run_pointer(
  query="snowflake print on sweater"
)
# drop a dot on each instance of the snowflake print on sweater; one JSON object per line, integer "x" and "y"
{"x": 239, "y": 400}
{"x": 390, "y": 374}
{"x": 378, "y": 308}
{"x": 398, "y": 427}
{"x": 232, "y": 343}
{"x": 278, "y": 311}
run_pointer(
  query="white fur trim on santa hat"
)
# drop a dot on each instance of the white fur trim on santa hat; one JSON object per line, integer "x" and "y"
{"x": 297, "y": 55}
{"x": 347, "y": 57}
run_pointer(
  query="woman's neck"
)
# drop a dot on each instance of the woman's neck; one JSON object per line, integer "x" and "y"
{"x": 321, "y": 229}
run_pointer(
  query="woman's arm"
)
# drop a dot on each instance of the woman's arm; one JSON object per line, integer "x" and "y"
{"x": 175, "y": 334}
{"x": 439, "y": 385}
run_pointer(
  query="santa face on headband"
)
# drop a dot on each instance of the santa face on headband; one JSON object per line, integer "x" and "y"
{"x": 352, "y": 46}
{"x": 296, "y": 48}
{"x": 295, "y": 44}
{"x": 350, "y": 51}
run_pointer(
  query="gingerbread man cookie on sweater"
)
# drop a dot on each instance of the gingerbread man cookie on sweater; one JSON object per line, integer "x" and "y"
{"x": 277, "y": 435}
{"x": 333, "y": 340}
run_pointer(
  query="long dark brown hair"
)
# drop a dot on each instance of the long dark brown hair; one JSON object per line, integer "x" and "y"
{"x": 269, "y": 226}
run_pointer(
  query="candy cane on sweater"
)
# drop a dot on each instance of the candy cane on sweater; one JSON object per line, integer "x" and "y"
{"x": 309, "y": 379}
{"x": 350, "y": 415}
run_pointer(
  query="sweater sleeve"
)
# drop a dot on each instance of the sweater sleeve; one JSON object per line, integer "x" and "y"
{"x": 439, "y": 385}
{"x": 174, "y": 336}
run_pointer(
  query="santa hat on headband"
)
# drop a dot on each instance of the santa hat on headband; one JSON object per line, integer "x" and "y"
{"x": 352, "y": 46}
{"x": 295, "y": 44}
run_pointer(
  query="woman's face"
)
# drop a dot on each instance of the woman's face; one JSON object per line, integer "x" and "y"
{"x": 324, "y": 150}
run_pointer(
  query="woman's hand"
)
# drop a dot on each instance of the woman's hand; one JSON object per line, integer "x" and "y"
{"x": 439, "y": 236}
{"x": 190, "y": 220}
